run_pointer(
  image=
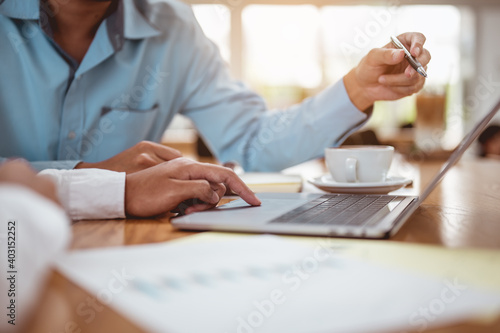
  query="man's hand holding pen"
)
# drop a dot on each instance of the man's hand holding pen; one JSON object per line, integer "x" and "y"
{"x": 385, "y": 74}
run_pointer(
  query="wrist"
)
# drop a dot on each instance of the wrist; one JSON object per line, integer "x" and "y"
{"x": 127, "y": 194}
{"x": 129, "y": 200}
{"x": 83, "y": 165}
{"x": 356, "y": 92}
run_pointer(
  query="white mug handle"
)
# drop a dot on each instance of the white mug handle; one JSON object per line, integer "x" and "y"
{"x": 350, "y": 169}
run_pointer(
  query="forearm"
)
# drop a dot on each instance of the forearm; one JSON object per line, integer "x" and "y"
{"x": 305, "y": 130}
{"x": 263, "y": 140}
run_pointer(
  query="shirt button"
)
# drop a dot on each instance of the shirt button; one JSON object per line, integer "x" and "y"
{"x": 71, "y": 135}
{"x": 78, "y": 77}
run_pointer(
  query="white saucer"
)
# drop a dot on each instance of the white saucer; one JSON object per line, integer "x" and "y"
{"x": 326, "y": 183}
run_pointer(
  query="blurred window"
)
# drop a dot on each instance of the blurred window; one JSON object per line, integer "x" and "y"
{"x": 215, "y": 20}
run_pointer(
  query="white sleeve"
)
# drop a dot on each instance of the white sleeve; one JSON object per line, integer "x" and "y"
{"x": 90, "y": 193}
{"x": 33, "y": 232}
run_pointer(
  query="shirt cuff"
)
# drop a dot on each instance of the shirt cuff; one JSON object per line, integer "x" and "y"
{"x": 90, "y": 193}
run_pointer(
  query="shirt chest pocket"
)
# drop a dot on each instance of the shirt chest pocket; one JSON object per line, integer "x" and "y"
{"x": 123, "y": 128}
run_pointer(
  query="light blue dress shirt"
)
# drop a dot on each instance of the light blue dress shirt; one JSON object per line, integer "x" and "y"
{"x": 148, "y": 61}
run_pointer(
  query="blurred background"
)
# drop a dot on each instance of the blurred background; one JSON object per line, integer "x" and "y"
{"x": 288, "y": 50}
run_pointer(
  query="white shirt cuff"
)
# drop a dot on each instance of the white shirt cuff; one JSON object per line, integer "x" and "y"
{"x": 90, "y": 193}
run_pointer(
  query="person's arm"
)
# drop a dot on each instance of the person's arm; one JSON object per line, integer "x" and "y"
{"x": 40, "y": 231}
{"x": 237, "y": 126}
{"x": 35, "y": 230}
{"x": 104, "y": 194}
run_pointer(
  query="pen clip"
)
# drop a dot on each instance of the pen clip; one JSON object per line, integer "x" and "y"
{"x": 397, "y": 43}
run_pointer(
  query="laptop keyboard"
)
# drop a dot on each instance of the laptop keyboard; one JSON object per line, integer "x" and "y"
{"x": 340, "y": 209}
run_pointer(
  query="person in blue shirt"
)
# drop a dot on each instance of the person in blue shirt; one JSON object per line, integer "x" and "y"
{"x": 94, "y": 84}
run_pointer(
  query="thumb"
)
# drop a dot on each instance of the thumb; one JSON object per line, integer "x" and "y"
{"x": 384, "y": 56}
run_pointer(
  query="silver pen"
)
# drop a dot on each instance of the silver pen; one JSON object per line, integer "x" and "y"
{"x": 413, "y": 62}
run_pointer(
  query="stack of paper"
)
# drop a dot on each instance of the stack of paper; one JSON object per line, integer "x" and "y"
{"x": 267, "y": 284}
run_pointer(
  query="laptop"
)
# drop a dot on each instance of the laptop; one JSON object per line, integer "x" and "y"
{"x": 337, "y": 215}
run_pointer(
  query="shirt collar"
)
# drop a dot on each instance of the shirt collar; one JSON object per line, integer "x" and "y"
{"x": 137, "y": 26}
{"x": 115, "y": 26}
{"x": 23, "y": 10}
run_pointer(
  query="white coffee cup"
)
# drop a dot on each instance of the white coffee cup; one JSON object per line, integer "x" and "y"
{"x": 359, "y": 164}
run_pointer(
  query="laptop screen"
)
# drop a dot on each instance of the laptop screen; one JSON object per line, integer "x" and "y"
{"x": 459, "y": 151}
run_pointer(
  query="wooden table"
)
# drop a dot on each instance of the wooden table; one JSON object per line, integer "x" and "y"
{"x": 463, "y": 211}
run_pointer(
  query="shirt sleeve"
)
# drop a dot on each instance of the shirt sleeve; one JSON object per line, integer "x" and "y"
{"x": 41, "y": 165}
{"x": 90, "y": 193}
{"x": 246, "y": 131}
{"x": 34, "y": 231}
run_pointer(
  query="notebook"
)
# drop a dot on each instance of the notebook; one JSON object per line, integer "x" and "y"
{"x": 340, "y": 215}
{"x": 260, "y": 182}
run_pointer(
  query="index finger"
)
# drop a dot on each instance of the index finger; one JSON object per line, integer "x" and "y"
{"x": 416, "y": 41}
{"x": 218, "y": 174}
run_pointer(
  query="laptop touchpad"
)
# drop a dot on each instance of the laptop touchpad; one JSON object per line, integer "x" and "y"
{"x": 239, "y": 212}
